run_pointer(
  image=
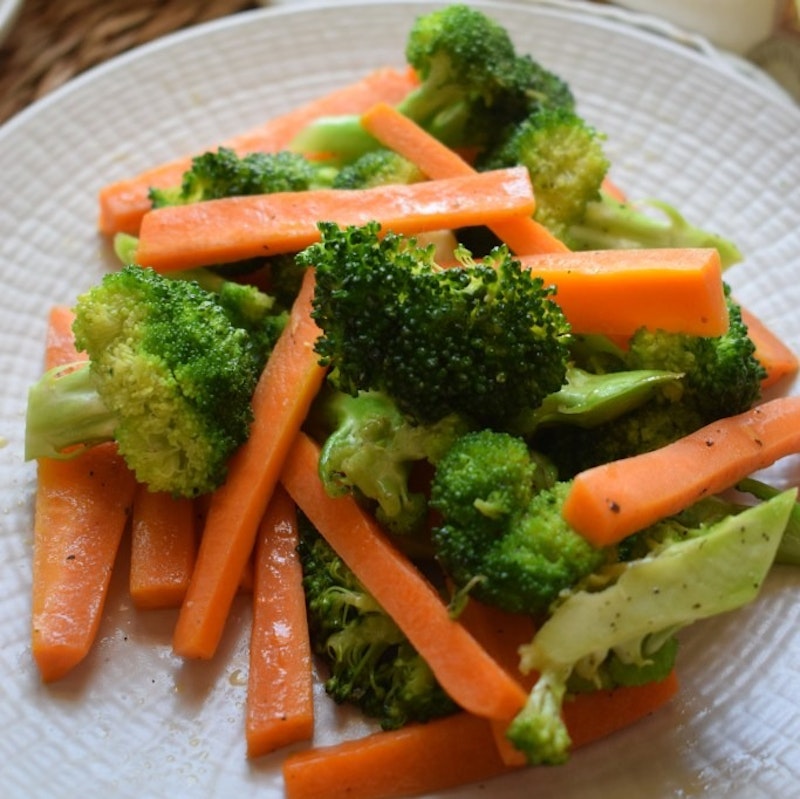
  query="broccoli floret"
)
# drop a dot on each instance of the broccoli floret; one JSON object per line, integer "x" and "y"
{"x": 214, "y": 175}
{"x": 377, "y": 168}
{"x": 372, "y": 449}
{"x": 472, "y": 85}
{"x": 704, "y": 572}
{"x": 721, "y": 377}
{"x": 565, "y": 158}
{"x": 611, "y": 224}
{"x": 170, "y": 378}
{"x": 371, "y": 663}
{"x": 482, "y": 339}
{"x": 502, "y": 530}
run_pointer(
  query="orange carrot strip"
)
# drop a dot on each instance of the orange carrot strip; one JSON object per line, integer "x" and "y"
{"x": 773, "y": 354}
{"x": 282, "y": 397}
{"x": 237, "y": 228}
{"x": 615, "y": 292}
{"x": 122, "y": 204}
{"x": 613, "y": 190}
{"x": 80, "y": 513}
{"x": 590, "y": 717}
{"x": 445, "y": 753}
{"x": 399, "y": 133}
{"x": 464, "y": 669}
{"x": 609, "y": 502}
{"x": 416, "y": 759}
{"x": 280, "y": 708}
{"x": 163, "y": 547}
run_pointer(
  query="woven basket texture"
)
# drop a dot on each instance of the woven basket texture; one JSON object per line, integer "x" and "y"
{"x": 51, "y": 42}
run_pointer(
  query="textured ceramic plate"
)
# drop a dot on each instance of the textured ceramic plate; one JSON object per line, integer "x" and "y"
{"x": 132, "y": 721}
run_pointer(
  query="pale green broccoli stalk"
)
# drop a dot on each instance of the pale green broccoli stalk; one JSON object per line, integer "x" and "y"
{"x": 370, "y": 662}
{"x": 371, "y": 448}
{"x": 701, "y": 573}
{"x": 170, "y": 378}
{"x": 611, "y": 224}
{"x": 587, "y": 399}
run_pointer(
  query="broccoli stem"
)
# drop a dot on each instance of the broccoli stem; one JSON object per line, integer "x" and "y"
{"x": 342, "y": 135}
{"x": 64, "y": 411}
{"x": 609, "y": 224}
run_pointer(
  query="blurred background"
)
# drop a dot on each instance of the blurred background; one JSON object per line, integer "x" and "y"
{"x": 46, "y": 42}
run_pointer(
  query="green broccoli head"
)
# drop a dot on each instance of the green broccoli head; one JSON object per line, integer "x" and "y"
{"x": 720, "y": 376}
{"x": 371, "y": 664}
{"x": 502, "y": 530}
{"x": 473, "y": 83}
{"x": 472, "y": 86}
{"x": 377, "y": 168}
{"x": 174, "y": 372}
{"x": 214, "y": 175}
{"x": 565, "y": 159}
{"x": 372, "y": 449}
{"x": 482, "y": 339}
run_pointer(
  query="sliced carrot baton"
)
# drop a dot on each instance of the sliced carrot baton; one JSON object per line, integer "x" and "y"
{"x": 122, "y": 204}
{"x": 422, "y": 759}
{"x": 81, "y": 510}
{"x": 289, "y": 383}
{"x": 615, "y": 292}
{"x": 609, "y": 502}
{"x": 280, "y": 701}
{"x": 237, "y": 228}
{"x": 464, "y": 669}
{"x": 777, "y": 358}
{"x": 414, "y": 760}
{"x": 399, "y": 133}
{"x": 163, "y": 548}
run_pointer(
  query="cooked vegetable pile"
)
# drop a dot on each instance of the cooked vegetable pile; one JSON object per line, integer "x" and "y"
{"x": 503, "y": 497}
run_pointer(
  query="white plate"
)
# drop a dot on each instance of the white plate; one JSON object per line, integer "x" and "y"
{"x": 132, "y": 721}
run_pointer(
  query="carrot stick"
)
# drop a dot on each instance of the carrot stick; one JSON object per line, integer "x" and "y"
{"x": 772, "y": 353}
{"x": 590, "y": 717}
{"x": 609, "y": 502}
{"x": 80, "y": 513}
{"x": 163, "y": 546}
{"x": 399, "y": 133}
{"x": 122, "y": 204}
{"x": 464, "y": 669}
{"x": 280, "y": 708}
{"x": 282, "y": 397}
{"x": 615, "y": 292}
{"x": 237, "y": 228}
{"x": 416, "y": 759}
{"x": 449, "y": 752}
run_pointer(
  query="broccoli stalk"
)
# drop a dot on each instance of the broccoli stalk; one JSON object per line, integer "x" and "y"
{"x": 701, "y": 573}
{"x": 472, "y": 85}
{"x": 371, "y": 663}
{"x": 170, "y": 377}
{"x": 483, "y": 339}
{"x": 609, "y": 224}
